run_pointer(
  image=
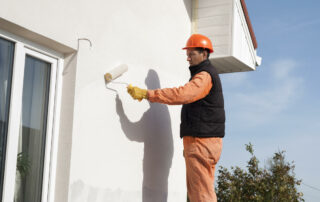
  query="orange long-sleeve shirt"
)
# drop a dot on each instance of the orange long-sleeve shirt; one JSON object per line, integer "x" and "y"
{"x": 196, "y": 89}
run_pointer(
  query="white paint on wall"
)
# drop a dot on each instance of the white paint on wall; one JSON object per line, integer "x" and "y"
{"x": 121, "y": 149}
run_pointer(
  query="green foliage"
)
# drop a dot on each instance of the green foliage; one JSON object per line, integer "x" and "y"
{"x": 275, "y": 183}
{"x": 23, "y": 164}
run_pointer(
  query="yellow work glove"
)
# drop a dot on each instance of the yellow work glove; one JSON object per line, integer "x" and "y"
{"x": 137, "y": 93}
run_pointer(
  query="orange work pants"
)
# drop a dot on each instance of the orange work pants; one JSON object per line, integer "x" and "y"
{"x": 201, "y": 156}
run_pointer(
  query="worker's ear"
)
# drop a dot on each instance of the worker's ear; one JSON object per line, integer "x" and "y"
{"x": 205, "y": 54}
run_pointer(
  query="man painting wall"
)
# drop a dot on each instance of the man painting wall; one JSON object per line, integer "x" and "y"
{"x": 202, "y": 117}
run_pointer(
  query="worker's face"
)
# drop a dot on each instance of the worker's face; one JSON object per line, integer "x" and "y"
{"x": 194, "y": 57}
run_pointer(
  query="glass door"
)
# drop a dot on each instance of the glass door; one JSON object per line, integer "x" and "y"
{"x": 33, "y": 126}
{"x": 6, "y": 67}
{"x": 28, "y": 85}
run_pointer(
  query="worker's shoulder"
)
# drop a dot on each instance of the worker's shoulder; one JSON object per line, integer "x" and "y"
{"x": 204, "y": 78}
{"x": 203, "y": 73}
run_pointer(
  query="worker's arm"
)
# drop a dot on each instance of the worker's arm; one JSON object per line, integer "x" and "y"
{"x": 196, "y": 89}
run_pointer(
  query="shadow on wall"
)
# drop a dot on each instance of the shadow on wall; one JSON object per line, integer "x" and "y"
{"x": 154, "y": 130}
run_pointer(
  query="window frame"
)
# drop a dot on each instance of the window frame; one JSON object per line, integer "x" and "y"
{"x": 22, "y": 48}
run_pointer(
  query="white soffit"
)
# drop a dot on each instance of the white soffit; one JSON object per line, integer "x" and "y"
{"x": 225, "y": 23}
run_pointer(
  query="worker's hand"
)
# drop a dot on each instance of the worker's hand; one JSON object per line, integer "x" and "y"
{"x": 137, "y": 93}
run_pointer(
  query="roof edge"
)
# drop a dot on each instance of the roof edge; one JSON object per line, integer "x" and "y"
{"x": 246, "y": 14}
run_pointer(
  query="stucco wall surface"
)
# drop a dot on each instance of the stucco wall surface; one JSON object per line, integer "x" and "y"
{"x": 114, "y": 148}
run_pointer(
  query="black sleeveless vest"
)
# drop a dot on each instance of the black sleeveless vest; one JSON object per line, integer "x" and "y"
{"x": 205, "y": 117}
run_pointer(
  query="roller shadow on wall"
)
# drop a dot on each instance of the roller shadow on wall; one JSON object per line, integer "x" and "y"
{"x": 154, "y": 130}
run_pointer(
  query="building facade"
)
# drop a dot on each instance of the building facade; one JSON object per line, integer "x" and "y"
{"x": 66, "y": 135}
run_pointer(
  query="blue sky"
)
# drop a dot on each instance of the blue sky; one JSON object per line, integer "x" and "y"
{"x": 276, "y": 107}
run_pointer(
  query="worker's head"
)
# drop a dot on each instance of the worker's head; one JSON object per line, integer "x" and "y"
{"x": 198, "y": 49}
{"x": 197, "y": 55}
{"x": 152, "y": 80}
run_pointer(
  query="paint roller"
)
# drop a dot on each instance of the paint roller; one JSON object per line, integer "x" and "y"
{"x": 115, "y": 73}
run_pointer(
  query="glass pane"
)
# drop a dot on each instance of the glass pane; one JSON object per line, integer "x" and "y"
{"x": 6, "y": 66}
{"x": 32, "y": 136}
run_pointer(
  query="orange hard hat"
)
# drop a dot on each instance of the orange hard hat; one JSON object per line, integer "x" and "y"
{"x": 199, "y": 41}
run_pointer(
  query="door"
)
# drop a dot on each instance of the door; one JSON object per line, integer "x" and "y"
{"x": 6, "y": 67}
{"x": 27, "y": 102}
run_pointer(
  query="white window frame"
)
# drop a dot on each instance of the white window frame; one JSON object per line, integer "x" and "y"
{"x": 23, "y": 48}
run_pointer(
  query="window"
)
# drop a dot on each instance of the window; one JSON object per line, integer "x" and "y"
{"x": 28, "y": 104}
{"x": 6, "y": 66}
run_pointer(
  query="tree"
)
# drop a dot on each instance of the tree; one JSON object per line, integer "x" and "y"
{"x": 274, "y": 183}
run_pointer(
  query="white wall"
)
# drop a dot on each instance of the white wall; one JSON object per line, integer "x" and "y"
{"x": 215, "y": 21}
{"x": 106, "y": 154}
